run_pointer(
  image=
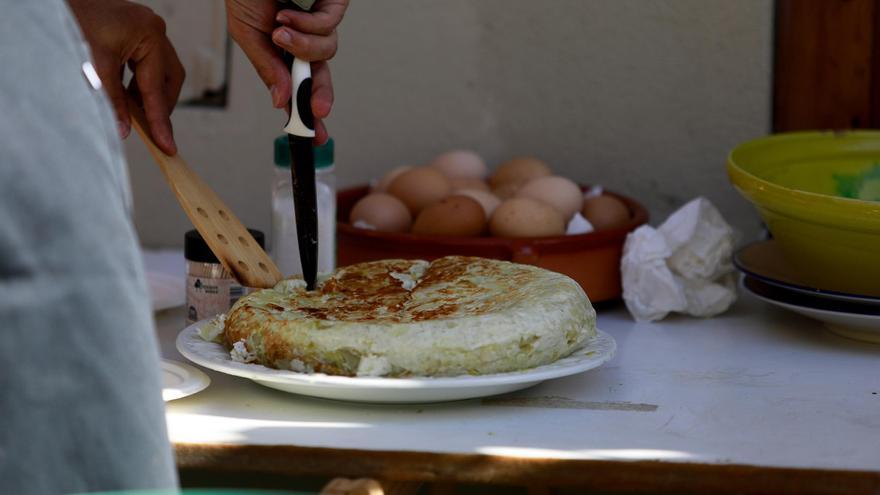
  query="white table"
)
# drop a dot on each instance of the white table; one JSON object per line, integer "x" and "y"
{"x": 758, "y": 400}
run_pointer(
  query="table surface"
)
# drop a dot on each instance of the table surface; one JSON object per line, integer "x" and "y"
{"x": 756, "y": 387}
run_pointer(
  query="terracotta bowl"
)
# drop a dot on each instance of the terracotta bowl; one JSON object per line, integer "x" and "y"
{"x": 592, "y": 259}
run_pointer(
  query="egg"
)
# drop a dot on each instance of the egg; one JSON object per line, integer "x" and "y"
{"x": 381, "y": 211}
{"x": 386, "y": 179}
{"x": 461, "y": 184}
{"x": 519, "y": 170}
{"x": 461, "y": 163}
{"x": 486, "y": 199}
{"x": 558, "y": 192}
{"x": 526, "y": 217}
{"x": 419, "y": 187}
{"x": 506, "y": 190}
{"x": 456, "y": 215}
{"x": 605, "y": 212}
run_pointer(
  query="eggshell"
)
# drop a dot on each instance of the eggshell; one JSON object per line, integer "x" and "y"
{"x": 385, "y": 181}
{"x": 519, "y": 170}
{"x": 526, "y": 217}
{"x": 382, "y": 211}
{"x": 419, "y": 187}
{"x": 454, "y": 216}
{"x": 461, "y": 163}
{"x": 506, "y": 190}
{"x": 558, "y": 192}
{"x": 486, "y": 199}
{"x": 605, "y": 212}
{"x": 460, "y": 184}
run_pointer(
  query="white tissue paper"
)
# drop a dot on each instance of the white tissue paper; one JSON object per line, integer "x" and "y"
{"x": 683, "y": 266}
{"x": 594, "y": 192}
{"x": 579, "y": 225}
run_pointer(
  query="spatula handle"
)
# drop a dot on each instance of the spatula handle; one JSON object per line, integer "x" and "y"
{"x": 228, "y": 239}
{"x": 142, "y": 127}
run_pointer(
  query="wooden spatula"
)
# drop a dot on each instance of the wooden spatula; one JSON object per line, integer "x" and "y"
{"x": 228, "y": 239}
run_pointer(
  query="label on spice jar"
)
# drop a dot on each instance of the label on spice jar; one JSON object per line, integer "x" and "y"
{"x": 208, "y": 297}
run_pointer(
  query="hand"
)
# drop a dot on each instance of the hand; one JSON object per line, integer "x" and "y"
{"x": 120, "y": 33}
{"x": 259, "y": 28}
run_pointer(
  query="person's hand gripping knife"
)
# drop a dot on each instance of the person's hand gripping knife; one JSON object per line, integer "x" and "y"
{"x": 301, "y": 97}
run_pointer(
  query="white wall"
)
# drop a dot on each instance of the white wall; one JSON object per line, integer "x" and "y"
{"x": 643, "y": 96}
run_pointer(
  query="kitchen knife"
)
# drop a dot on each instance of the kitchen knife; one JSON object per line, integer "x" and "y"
{"x": 300, "y": 131}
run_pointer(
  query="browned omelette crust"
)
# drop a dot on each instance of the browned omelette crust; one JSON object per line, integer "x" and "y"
{"x": 449, "y": 287}
{"x": 367, "y": 292}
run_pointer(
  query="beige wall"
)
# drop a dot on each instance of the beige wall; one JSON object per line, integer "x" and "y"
{"x": 643, "y": 96}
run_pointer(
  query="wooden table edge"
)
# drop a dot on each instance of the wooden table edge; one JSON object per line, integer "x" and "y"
{"x": 601, "y": 475}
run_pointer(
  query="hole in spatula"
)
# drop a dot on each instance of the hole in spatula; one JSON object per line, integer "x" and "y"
{"x": 243, "y": 241}
{"x": 243, "y": 265}
{"x": 202, "y": 212}
{"x": 223, "y": 214}
{"x": 222, "y": 238}
{"x": 263, "y": 267}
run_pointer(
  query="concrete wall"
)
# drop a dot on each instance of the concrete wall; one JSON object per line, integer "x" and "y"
{"x": 645, "y": 97}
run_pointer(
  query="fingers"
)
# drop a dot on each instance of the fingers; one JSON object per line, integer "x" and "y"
{"x": 321, "y": 134}
{"x": 175, "y": 75}
{"x": 150, "y": 75}
{"x": 321, "y": 20}
{"x": 266, "y": 60}
{"x": 116, "y": 92}
{"x": 309, "y": 36}
{"x": 322, "y": 90}
{"x": 304, "y": 46}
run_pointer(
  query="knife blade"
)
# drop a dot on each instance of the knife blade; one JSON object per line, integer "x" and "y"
{"x": 300, "y": 129}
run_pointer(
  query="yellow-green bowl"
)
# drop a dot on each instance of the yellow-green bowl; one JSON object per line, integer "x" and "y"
{"x": 819, "y": 194}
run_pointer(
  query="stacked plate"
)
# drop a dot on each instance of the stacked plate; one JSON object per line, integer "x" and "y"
{"x": 768, "y": 276}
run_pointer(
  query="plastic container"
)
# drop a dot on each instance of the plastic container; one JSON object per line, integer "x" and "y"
{"x": 285, "y": 248}
{"x": 593, "y": 259}
{"x": 210, "y": 288}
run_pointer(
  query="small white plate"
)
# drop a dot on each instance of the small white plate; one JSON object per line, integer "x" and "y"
{"x": 180, "y": 380}
{"x": 854, "y": 325}
{"x": 392, "y": 390}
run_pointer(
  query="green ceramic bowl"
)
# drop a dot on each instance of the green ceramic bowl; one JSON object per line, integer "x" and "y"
{"x": 819, "y": 194}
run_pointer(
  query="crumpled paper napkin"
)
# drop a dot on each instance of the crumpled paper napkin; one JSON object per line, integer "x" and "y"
{"x": 683, "y": 266}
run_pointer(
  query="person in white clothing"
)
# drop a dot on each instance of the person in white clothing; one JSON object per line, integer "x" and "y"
{"x": 80, "y": 394}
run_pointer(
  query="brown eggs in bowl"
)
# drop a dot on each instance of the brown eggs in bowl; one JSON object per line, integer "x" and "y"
{"x": 592, "y": 259}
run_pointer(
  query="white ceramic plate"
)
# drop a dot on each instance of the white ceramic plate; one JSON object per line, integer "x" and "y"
{"x": 180, "y": 380}
{"x": 166, "y": 291}
{"x": 392, "y": 390}
{"x": 851, "y": 324}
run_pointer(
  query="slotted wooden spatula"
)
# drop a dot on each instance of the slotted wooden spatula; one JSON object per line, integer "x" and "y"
{"x": 228, "y": 239}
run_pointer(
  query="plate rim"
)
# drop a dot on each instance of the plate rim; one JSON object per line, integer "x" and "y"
{"x": 799, "y": 307}
{"x": 602, "y": 344}
{"x": 799, "y": 287}
{"x": 199, "y": 379}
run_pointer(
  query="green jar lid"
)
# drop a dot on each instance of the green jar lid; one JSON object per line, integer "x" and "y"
{"x": 323, "y": 153}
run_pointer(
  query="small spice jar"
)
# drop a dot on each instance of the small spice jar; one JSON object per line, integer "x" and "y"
{"x": 210, "y": 288}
